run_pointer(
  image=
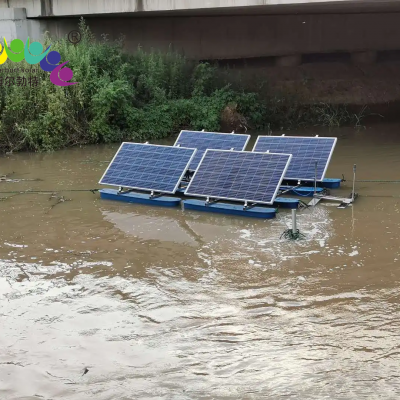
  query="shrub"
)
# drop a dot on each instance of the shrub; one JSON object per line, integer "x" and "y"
{"x": 121, "y": 96}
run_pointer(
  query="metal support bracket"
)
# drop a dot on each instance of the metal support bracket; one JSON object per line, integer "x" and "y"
{"x": 188, "y": 175}
{"x": 155, "y": 195}
{"x": 315, "y": 176}
{"x": 122, "y": 191}
{"x": 288, "y": 190}
{"x": 248, "y": 206}
{"x": 211, "y": 201}
{"x": 344, "y": 202}
{"x": 354, "y": 182}
{"x": 303, "y": 205}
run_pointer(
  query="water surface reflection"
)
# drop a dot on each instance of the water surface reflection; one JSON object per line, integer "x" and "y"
{"x": 161, "y": 303}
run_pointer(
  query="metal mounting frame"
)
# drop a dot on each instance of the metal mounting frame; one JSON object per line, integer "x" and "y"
{"x": 248, "y": 207}
{"x": 154, "y": 195}
{"x": 210, "y": 201}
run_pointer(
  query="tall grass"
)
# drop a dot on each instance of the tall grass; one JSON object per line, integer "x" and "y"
{"x": 121, "y": 96}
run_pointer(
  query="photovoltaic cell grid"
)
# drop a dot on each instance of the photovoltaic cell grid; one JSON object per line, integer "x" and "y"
{"x": 210, "y": 140}
{"x": 305, "y": 151}
{"x": 148, "y": 167}
{"x": 241, "y": 176}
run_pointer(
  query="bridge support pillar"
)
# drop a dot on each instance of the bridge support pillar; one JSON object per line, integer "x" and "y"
{"x": 364, "y": 57}
{"x": 288, "y": 61}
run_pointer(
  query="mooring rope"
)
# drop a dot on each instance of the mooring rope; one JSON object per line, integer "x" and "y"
{"x": 49, "y": 191}
{"x": 381, "y": 195}
{"x": 302, "y": 195}
{"x": 95, "y": 161}
{"x": 378, "y": 181}
{"x": 373, "y": 180}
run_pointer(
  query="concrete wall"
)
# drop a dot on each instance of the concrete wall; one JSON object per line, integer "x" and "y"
{"x": 42, "y": 8}
{"x": 220, "y": 36}
{"x": 13, "y": 25}
{"x": 9, "y": 20}
{"x": 232, "y": 37}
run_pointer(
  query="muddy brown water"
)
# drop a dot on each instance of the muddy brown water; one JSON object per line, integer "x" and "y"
{"x": 169, "y": 304}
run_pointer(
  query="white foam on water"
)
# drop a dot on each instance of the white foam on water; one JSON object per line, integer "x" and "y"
{"x": 264, "y": 239}
{"x": 205, "y": 258}
{"x": 329, "y": 204}
{"x": 16, "y": 245}
{"x": 245, "y": 233}
{"x": 5, "y": 287}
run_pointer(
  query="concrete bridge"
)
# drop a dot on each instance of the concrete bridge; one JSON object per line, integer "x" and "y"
{"x": 284, "y": 30}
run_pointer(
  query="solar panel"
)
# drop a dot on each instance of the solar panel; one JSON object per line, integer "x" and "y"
{"x": 239, "y": 175}
{"x": 305, "y": 151}
{"x": 148, "y": 167}
{"x": 210, "y": 140}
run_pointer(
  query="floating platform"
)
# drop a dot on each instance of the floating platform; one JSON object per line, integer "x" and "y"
{"x": 230, "y": 209}
{"x": 286, "y": 202}
{"x": 331, "y": 183}
{"x": 139, "y": 198}
{"x": 328, "y": 183}
{"x": 302, "y": 191}
{"x": 282, "y": 202}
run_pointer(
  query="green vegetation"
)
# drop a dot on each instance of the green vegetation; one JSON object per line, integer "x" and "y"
{"x": 136, "y": 97}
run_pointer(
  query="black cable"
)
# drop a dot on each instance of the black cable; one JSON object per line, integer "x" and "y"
{"x": 49, "y": 191}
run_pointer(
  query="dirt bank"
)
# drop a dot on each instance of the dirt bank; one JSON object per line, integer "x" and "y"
{"x": 331, "y": 82}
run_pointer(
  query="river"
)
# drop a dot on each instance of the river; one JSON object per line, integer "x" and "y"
{"x": 162, "y": 303}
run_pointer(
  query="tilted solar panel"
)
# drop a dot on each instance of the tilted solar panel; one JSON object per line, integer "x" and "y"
{"x": 305, "y": 150}
{"x": 210, "y": 140}
{"x": 148, "y": 167}
{"x": 239, "y": 175}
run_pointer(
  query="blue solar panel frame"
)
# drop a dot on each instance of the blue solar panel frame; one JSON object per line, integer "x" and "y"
{"x": 155, "y": 189}
{"x": 320, "y": 172}
{"x": 286, "y": 157}
{"x": 200, "y": 151}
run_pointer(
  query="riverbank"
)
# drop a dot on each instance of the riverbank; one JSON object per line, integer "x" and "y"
{"x": 370, "y": 91}
{"x": 326, "y": 81}
{"x": 148, "y": 96}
